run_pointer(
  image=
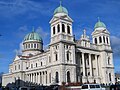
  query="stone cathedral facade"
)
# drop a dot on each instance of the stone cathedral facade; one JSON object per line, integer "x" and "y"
{"x": 66, "y": 59}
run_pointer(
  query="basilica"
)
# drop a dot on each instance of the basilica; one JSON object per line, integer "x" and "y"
{"x": 66, "y": 59}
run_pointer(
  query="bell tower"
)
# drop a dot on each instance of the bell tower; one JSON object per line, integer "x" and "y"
{"x": 101, "y": 39}
{"x": 101, "y": 35}
{"x": 61, "y": 25}
{"x": 62, "y": 46}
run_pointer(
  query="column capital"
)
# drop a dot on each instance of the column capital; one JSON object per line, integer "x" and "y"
{"x": 82, "y": 52}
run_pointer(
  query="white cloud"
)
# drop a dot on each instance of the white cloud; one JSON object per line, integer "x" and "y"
{"x": 115, "y": 43}
{"x": 17, "y": 7}
{"x": 45, "y": 47}
{"x": 19, "y": 51}
{"x": 23, "y": 28}
{"x": 21, "y": 32}
{"x": 42, "y": 33}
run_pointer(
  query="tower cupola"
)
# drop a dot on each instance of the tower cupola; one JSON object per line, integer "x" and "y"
{"x": 99, "y": 24}
{"x": 60, "y": 11}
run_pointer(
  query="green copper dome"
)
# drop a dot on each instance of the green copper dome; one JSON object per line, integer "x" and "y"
{"x": 33, "y": 36}
{"x": 61, "y": 9}
{"x": 99, "y": 24}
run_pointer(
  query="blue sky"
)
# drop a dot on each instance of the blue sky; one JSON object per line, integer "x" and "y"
{"x": 17, "y": 18}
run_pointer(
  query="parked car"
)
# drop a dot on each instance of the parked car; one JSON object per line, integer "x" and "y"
{"x": 24, "y": 88}
{"x": 92, "y": 87}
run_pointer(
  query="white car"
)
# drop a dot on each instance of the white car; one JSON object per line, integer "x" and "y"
{"x": 92, "y": 87}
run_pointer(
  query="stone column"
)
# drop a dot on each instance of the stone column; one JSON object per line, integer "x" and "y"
{"x": 105, "y": 40}
{"x": 31, "y": 77}
{"x": 102, "y": 39}
{"x": 40, "y": 77}
{"x": 83, "y": 64}
{"x": 36, "y": 77}
{"x": 46, "y": 78}
{"x": 84, "y": 71}
{"x": 60, "y": 27}
{"x": 65, "y": 28}
{"x": 90, "y": 63}
{"x": 96, "y": 65}
{"x": 109, "y": 40}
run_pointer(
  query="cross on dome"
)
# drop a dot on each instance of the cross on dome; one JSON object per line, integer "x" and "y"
{"x": 60, "y": 2}
{"x": 98, "y": 19}
{"x": 33, "y": 29}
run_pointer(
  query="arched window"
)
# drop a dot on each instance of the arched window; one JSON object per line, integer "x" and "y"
{"x": 56, "y": 56}
{"x": 68, "y": 29}
{"x": 49, "y": 59}
{"x": 31, "y": 45}
{"x": 58, "y": 28}
{"x": 67, "y": 56}
{"x": 68, "y": 76}
{"x": 100, "y": 40}
{"x": 19, "y": 66}
{"x": 110, "y": 76}
{"x": 31, "y": 65}
{"x": 41, "y": 63}
{"x": 36, "y": 64}
{"x": 57, "y": 77}
{"x": 63, "y": 28}
{"x": 104, "y": 39}
{"x": 108, "y": 60}
{"x": 15, "y": 67}
{"x": 95, "y": 40}
{"x": 81, "y": 73}
{"x": 107, "y": 40}
{"x": 54, "y": 30}
{"x": 28, "y": 45}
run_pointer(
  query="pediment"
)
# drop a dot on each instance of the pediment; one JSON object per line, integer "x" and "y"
{"x": 105, "y": 31}
{"x": 66, "y": 18}
{"x": 17, "y": 58}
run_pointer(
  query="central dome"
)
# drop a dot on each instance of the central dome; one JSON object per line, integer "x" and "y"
{"x": 33, "y": 36}
{"x": 61, "y": 9}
